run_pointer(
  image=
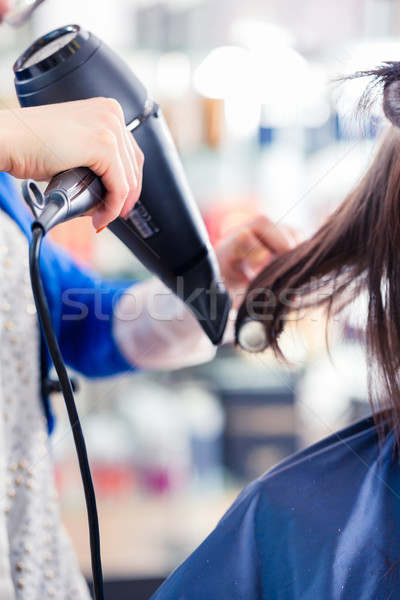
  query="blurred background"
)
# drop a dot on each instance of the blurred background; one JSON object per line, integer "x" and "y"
{"x": 250, "y": 92}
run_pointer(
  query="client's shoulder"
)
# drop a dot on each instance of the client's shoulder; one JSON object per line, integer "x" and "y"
{"x": 320, "y": 473}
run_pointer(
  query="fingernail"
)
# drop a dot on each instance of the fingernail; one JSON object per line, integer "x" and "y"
{"x": 291, "y": 241}
{"x": 101, "y": 229}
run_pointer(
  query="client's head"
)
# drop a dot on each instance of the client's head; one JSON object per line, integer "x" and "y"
{"x": 357, "y": 249}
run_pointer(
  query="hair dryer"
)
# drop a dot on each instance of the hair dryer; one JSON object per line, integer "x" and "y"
{"x": 164, "y": 229}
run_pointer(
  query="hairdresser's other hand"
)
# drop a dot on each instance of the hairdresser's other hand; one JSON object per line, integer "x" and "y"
{"x": 40, "y": 142}
{"x": 246, "y": 250}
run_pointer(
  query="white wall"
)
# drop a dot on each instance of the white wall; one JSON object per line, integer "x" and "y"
{"x": 111, "y": 20}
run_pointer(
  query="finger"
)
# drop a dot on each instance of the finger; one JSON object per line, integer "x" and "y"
{"x": 139, "y": 160}
{"x": 128, "y": 161}
{"x": 246, "y": 271}
{"x": 136, "y": 159}
{"x": 112, "y": 119}
{"x": 257, "y": 253}
{"x": 273, "y": 236}
{"x": 254, "y": 261}
{"x": 248, "y": 246}
{"x": 114, "y": 180}
{"x": 297, "y": 235}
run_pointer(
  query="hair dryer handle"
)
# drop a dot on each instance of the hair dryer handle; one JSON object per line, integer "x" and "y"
{"x": 70, "y": 194}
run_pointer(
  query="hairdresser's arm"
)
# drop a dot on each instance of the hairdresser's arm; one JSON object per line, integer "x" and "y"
{"x": 154, "y": 330}
{"x": 40, "y": 142}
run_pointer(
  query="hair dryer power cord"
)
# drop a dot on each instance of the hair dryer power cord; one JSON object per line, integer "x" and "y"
{"x": 66, "y": 388}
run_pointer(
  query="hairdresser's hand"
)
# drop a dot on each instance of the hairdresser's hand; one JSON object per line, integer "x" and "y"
{"x": 248, "y": 249}
{"x": 40, "y": 142}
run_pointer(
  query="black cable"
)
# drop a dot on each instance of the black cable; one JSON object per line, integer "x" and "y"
{"x": 66, "y": 388}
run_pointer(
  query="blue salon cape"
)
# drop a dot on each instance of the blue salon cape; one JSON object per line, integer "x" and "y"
{"x": 322, "y": 525}
{"x": 86, "y": 343}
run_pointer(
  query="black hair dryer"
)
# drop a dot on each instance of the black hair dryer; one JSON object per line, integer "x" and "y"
{"x": 164, "y": 229}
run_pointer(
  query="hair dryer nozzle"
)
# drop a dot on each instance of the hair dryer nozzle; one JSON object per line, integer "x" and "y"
{"x": 205, "y": 296}
{"x": 214, "y": 322}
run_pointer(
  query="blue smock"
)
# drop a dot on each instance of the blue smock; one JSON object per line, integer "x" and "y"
{"x": 86, "y": 342}
{"x": 322, "y": 525}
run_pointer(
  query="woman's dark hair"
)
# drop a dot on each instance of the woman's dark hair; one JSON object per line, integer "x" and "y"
{"x": 357, "y": 249}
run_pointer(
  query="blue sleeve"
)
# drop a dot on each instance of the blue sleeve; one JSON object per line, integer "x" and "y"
{"x": 81, "y": 303}
{"x": 82, "y": 306}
